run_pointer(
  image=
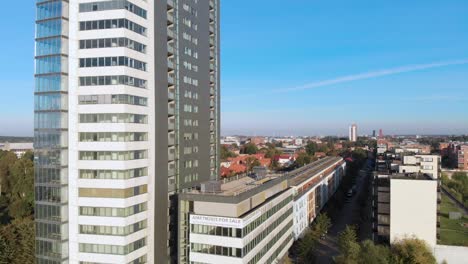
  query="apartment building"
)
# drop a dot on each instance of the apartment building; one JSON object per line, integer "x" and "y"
{"x": 120, "y": 83}
{"x": 313, "y": 189}
{"x": 253, "y": 220}
{"x": 405, "y": 206}
{"x": 462, "y": 157}
{"x": 405, "y": 198}
{"x": 425, "y": 164}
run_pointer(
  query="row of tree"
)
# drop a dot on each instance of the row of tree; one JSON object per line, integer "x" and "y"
{"x": 406, "y": 251}
{"x": 16, "y": 208}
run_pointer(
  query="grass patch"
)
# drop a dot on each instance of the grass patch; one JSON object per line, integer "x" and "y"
{"x": 452, "y": 232}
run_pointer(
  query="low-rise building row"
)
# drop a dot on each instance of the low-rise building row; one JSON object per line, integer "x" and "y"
{"x": 254, "y": 219}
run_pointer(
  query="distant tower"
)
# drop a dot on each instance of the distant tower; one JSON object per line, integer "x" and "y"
{"x": 380, "y": 133}
{"x": 353, "y": 133}
{"x": 373, "y": 133}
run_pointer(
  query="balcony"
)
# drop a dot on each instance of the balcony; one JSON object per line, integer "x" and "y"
{"x": 170, "y": 80}
{"x": 170, "y": 4}
{"x": 170, "y": 18}
{"x": 171, "y": 139}
{"x": 212, "y": 28}
{"x": 170, "y": 49}
{"x": 171, "y": 95}
{"x": 171, "y": 124}
{"x": 170, "y": 64}
{"x": 212, "y": 16}
{"x": 171, "y": 169}
{"x": 171, "y": 153}
{"x": 211, "y": 42}
{"x": 171, "y": 109}
{"x": 212, "y": 91}
{"x": 170, "y": 34}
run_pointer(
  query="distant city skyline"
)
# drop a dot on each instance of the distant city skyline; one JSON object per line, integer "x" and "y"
{"x": 400, "y": 66}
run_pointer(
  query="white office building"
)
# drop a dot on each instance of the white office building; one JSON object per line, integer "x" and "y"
{"x": 126, "y": 116}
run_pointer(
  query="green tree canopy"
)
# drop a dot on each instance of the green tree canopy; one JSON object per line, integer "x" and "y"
{"x": 412, "y": 251}
{"x": 249, "y": 148}
{"x": 303, "y": 159}
{"x": 225, "y": 153}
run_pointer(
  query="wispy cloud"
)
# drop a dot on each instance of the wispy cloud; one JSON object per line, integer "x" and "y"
{"x": 373, "y": 74}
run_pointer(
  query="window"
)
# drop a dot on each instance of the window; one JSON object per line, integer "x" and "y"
{"x": 112, "y": 43}
{"x": 113, "y": 5}
{"x": 112, "y": 62}
{"x": 112, "y": 23}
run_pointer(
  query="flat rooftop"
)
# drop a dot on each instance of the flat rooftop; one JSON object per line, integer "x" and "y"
{"x": 247, "y": 184}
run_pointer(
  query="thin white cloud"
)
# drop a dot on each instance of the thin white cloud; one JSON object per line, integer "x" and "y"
{"x": 372, "y": 74}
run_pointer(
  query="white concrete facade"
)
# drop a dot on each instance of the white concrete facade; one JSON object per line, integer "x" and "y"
{"x": 413, "y": 210}
{"x": 252, "y": 241}
{"x": 426, "y": 164}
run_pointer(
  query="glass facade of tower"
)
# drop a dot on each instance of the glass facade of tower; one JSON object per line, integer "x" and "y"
{"x": 50, "y": 132}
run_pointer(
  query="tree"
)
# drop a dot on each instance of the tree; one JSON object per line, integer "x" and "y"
{"x": 412, "y": 251}
{"x": 17, "y": 242}
{"x": 226, "y": 153}
{"x": 303, "y": 159}
{"x": 249, "y": 148}
{"x": 252, "y": 162}
{"x": 373, "y": 254}
{"x": 271, "y": 152}
{"x": 321, "y": 224}
{"x": 311, "y": 148}
{"x": 6, "y": 162}
{"x": 348, "y": 245}
{"x": 307, "y": 247}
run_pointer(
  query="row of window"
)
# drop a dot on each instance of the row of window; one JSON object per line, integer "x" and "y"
{"x": 112, "y": 249}
{"x": 271, "y": 243}
{"x": 112, "y": 62}
{"x": 51, "y": 230}
{"x": 52, "y": 64}
{"x": 113, "y": 5}
{"x": 190, "y": 108}
{"x": 112, "y": 43}
{"x": 112, "y": 99}
{"x": 112, "y": 80}
{"x": 113, "y": 155}
{"x": 260, "y": 237}
{"x": 113, "y": 212}
{"x": 141, "y": 260}
{"x": 50, "y": 28}
{"x": 216, "y": 230}
{"x": 113, "y": 193}
{"x": 190, "y": 150}
{"x": 190, "y": 123}
{"x": 113, "y": 136}
{"x": 113, "y": 230}
{"x": 113, "y": 174}
{"x": 50, "y": 212}
{"x": 122, "y": 118}
{"x": 49, "y": 10}
{"x": 113, "y": 23}
{"x": 261, "y": 219}
{"x": 51, "y": 83}
{"x": 216, "y": 250}
{"x": 49, "y": 46}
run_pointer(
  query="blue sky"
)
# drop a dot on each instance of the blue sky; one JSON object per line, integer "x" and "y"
{"x": 397, "y": 65}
